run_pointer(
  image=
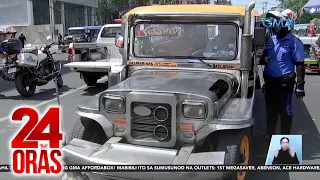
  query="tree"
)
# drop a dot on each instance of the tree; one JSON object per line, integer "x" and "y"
{"x": 108, "y": 10}
{"x": 297, "y": 5}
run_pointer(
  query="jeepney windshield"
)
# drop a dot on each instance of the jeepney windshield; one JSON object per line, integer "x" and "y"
{"x": 187, "y": 40}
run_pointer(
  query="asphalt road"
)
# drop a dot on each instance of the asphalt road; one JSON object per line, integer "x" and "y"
{"x": 306, "y": 120}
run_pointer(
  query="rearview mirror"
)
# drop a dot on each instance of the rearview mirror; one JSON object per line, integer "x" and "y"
{"x": 48, "y": 38}
{"x": 259, "y": 36}
{"x": 119, "y": 41}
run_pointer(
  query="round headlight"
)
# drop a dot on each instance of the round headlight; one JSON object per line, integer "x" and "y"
{"x": 114, "y": 103}
{"x": 42, "y": 49}
{"x": 196, "y": 110}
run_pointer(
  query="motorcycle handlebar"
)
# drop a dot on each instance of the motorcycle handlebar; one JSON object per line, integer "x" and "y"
{"x": 49, "y": 45}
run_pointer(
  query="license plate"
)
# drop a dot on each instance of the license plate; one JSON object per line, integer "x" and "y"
{"x": 12, "y": 70}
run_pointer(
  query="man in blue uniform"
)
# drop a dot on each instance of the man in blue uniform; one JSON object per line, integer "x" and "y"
{"x": 282, "y": 54}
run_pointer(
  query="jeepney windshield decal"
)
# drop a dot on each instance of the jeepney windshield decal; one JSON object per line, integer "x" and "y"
{"x": 186, "y": 40}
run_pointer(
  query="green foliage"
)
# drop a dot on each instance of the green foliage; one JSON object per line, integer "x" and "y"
{"x": 315, "y": 20}
{"x": 109, "y": 10}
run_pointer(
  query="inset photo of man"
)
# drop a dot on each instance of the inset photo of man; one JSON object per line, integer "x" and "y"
{"x": 284, "y": 150}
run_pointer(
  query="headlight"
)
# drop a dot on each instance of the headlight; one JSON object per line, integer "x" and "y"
{"x": 42, "y": 49}
{"x": 114, "y": 103}
{"x": 194, "y": 109}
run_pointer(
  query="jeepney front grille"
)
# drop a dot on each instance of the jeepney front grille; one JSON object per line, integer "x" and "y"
{"x": 156, "y": 126}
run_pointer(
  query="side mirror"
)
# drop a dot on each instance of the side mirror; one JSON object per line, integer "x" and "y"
{"x": 48, "y": 38}
{"x": 119, "y": 41}
{"x": 259, "y": 36}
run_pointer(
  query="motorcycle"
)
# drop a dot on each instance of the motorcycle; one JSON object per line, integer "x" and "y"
{"x": 6, "y": 63}
{"x": 36, "y": 68}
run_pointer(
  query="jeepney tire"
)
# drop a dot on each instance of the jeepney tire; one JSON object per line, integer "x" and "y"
{"x": 231, "y": 141}
{"x": 90, "y": 80}
{"x": 63, "y": 51}
{"x": 88, "y": 130}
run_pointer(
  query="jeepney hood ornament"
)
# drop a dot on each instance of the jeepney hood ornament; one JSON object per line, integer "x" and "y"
{"x": 182, "y": 82}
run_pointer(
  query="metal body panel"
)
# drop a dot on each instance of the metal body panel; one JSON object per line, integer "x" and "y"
{"x": 115, "y": 153}
{"x": 172, "y": 81}
{"x": 144, "y": 85}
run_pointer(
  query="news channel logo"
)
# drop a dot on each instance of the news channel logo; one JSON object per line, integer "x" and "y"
{"x": 272, "y": 23}
{"x": 285, "y": 150}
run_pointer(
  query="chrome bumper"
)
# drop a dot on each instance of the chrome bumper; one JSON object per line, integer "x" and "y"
{"x": 80, "y": 152}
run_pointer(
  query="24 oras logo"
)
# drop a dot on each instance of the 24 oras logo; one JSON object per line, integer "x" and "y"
{"x": 30, "y": 151}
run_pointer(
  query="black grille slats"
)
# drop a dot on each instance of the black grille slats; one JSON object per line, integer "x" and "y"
{"x": 142, "y": 127}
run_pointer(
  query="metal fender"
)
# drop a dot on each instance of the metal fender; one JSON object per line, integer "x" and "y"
{"x": 101, "y": 119}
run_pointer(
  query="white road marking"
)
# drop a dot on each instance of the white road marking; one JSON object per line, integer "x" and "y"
{"x": 61, "y": 96}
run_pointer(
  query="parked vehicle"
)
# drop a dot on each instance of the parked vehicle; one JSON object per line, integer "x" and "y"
{"x": 93, "y": 60}
{"x": 313, "y": 63}
{"x": 75, "y": 34}
{"x": 179, "y": 97}
{"x": 34, "y": 67}
{"x": 94, "y": 30}
{"x": 8, "y": 60}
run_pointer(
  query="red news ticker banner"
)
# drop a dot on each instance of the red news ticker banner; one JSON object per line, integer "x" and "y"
{"x": 178, "y": 168}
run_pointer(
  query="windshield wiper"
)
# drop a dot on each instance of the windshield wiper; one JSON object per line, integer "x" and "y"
{"x": 201, "y": 60}
{"x": 198, "y": 58}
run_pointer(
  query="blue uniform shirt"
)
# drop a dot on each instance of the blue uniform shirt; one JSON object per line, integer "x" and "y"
{"x": 283, "y": 55}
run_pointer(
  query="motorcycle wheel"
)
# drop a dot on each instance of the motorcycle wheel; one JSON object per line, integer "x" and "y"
{"x": 23, "y": 86}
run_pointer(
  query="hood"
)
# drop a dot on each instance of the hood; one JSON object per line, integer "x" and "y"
{"x": 183, "y": 82}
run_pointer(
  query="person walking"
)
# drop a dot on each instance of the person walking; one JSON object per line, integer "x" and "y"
{"x": 22, "y": 39}
{"x": 283, "y": 52}
{"x": 59, "y": 39}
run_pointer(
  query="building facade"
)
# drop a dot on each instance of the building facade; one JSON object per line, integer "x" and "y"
{"x": 69, "y": 13}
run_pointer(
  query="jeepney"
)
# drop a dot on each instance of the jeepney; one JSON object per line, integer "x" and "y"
{"x": 184, "y": 94}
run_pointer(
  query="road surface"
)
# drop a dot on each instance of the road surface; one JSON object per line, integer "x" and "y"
{"x": 306, "y": 121}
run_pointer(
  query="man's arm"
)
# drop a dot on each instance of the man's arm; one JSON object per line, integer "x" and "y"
{"x": 262, "y": 60}
{"x": 298, "y": 56}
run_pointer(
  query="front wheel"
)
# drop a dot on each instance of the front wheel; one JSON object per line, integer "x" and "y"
{"x": 90, "y": 80}
{"x": 88, "y": 130}
{"x": 24, "y": 84}
{"x": 237, "y": 147}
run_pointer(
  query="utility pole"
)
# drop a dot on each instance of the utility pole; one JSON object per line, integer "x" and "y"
{"x": 282, "y": 4}
{"x": 265, "y": 6}
{"x": 52, "y": 23}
